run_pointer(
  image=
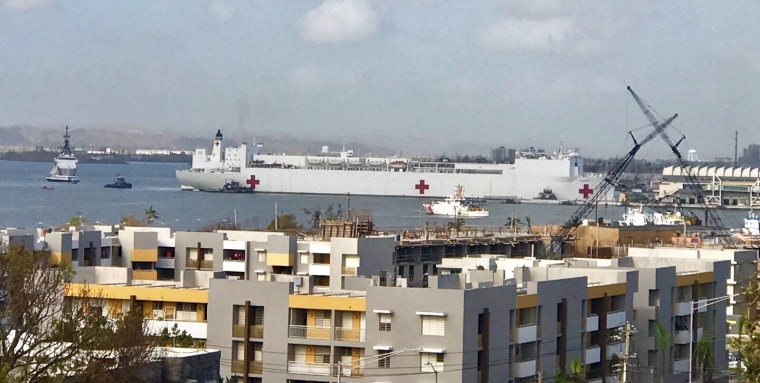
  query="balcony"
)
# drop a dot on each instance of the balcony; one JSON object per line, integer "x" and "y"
{"x": 682, "y": 308}
{"x": 144, "y": 255}
{"x": 256, "y": 331}
{"x": 593, "y": 355}
{"x": 309, "y": 332}
{"x": 234, "y": 266}
{"x": 147, "y": 275}
{"x": 524, "y": 369}
{"x": 681, "y": 366}
{"x": 254, "y": 367}
{"x": 615, "y": 319}
{"x": 592, "y": 323}
{"x": 306, "y": 368}
{"x": 348, "y": 270}
{"x": 198, "y": 330}
{"x": 614, "y": 349}
{"x": 702, "y": 305}
{"x": 681, "y": 337}
{"x": 205, "y": 265}
{"x": 349, "y": 334}
{"x": 319, "y": 269}
{"x": 348, "y": 371}
{"x": 165, "y": 263}
{"x": 525, "y": 334}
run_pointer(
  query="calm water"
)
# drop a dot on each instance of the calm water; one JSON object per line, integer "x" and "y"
{"x": 25, "y": 204}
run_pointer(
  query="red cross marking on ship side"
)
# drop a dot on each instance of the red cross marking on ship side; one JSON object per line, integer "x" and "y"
{"x": 586, "y": 191}
{"x": 252, "y": 182}
{"x": 422, "y": 186}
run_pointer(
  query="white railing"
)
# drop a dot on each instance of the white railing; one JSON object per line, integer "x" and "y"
{"x": 164, "y": 263}
{"x": 682, "y": 308}
{"x": 319, "y": 269}
{"x": 524, "y": 369}
{"x": 615, "y": 319}
{"x": 306, "y": 368}
{"x": 614, "y": 349}
{"x": 593, "y": 355}
{"x": 592, "y": 323}
{"x": 525, "y": 334}
{"x": 198, "y": 330}
{"x": 681, "y": 366}
{"x": 235, "y": 266}
{"x": 682, "y": 337}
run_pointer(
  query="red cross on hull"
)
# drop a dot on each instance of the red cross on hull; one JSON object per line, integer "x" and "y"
{"x": 586, "y": 191}
{"x": 252, "y": 182}
{"x": 422, "y": 186}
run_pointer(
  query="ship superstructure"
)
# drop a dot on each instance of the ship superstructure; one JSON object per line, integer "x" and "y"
{"x": 65, "y": 164}
{"x": 342, "y": 172}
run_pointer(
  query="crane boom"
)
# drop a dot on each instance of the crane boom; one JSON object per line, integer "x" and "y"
{"x": 610, "y": 180}
{"x": 712, "y": 217}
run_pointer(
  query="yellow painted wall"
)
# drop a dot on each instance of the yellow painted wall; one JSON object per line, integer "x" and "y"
{"x": 527, "y": 300}
{"x": 140, "y": 293}
{"x": 147, "y": 275}
{"x": 311, "y": 318}
{"x": 689, "y": 279}
{"x": 279, "y": 259}
{"x": 57, "y": 258}
{"x": 611, "y": 290}
{"x": 327, "y": 303}
{"x": 356, "y": 320}
{"x": 144, "y": 255}
{"x": 311, "y": 354}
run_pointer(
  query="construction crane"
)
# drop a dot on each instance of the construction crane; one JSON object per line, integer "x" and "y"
{"x": 611, "y": 180}
{"x": 713, "y": 219}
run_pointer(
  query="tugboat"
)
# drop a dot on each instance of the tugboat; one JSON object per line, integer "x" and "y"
{"x": 118, "y": 183}
{"x": 547, "y": 195}
{"x": 232, "y": 186}
{"x": 65, "y": 165}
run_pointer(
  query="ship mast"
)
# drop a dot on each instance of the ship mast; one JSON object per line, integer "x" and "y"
{"x": 66, "y": 148}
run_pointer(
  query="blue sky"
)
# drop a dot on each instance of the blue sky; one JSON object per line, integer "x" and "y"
{"x": 435, "y": 75}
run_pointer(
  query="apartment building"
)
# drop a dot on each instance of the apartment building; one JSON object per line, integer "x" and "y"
{"x": 453, "y": 330}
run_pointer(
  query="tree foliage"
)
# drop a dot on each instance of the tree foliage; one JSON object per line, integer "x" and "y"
{"x": 175, "y": 338}
{"x": 577, "y": 374}
{"x": 45, "y": 336}
{"x": 284, "y": 222}
{"x": 748, "y": 341}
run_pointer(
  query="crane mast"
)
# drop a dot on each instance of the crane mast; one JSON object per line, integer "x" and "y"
{"x": 713, "y": 219}
{"x": 611, "y": 180}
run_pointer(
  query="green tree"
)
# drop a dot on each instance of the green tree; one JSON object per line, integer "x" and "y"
{"x": 175, "y": 338}
{"x": 151, "y": 214}
{"x": 662, "y": 343}
{"x": 703, "y": 353}
{"x": 47, "y": 336}
{"x": 284, "y": 222}
{"x": 456, "y": 225}
{"x": 748, "y": 341}
{"x": 577, "y": 374}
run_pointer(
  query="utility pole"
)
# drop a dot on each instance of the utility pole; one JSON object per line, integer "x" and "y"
{"x": 736, "y": 147}
{"x": 627, "y": 353}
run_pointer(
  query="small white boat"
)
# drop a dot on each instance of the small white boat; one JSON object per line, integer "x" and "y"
{"x": 65, "y": 164}
{"x": 635, "y": 216}
{"x": 456, "y": 206}
{"x": 316, "y": 160}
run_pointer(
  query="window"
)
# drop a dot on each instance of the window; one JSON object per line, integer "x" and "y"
{"x": 239, "y": 315}
{"x": 304, "y": 259}
{"x": 385, "y": 322}
{"x": 261, "y": 277}
{"x": 433, "y": 325}
{"x": 654, "y": 298}
{"x": 431, "y": 361}
{"x": 385, "y": 359}
{"x": 262, "y": 256}
{"x": 322, "y": 319}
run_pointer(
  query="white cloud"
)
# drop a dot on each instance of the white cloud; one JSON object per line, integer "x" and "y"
{"x": 23, "y": 5}
{"x": 555, "y": 34}
{"x": 339, "y": 21}
{"x": 220, "y": 11}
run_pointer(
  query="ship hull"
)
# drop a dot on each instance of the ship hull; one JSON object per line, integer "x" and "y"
{"x": 388, "y": 183}
{"x": 65, "y": 179}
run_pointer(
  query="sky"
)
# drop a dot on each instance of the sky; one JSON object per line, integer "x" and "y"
{"x": 438, "y": 75}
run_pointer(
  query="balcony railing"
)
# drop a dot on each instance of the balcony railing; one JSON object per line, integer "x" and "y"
{"x": 682, "y": 308}
{"x": 348, "y": 371}
{"x": 681, "y": 366}
{"x": 524, "y": 369}
{"x": 308, "y": 368}
{"x": 193, "y": 264}
{"x": 309, "y": 332}
{"x": 592, "y": 323}
{"x": 615, "y": 319}
{"x": 593, "y": 355}
{"x": 348, "y": 270}
{"x": 526, "y": 334}
{"x": 254, "y": 367}
{"x": 256, "y": 331}
{"x": 349, "y": 334}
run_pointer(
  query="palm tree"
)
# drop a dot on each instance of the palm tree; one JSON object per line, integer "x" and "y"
{"x": 457, "y": 224}
{"x": 661, "y": 340}
{"x": 703, "y": 353}
{"x": 151, "y": 214}
{"x": 577, "y": 373}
